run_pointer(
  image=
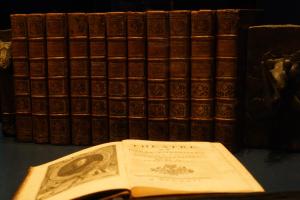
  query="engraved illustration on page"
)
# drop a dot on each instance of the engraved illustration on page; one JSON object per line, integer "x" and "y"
{"x": 66, "y": 174}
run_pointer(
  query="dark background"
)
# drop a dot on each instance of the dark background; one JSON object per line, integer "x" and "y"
{"x": 276, "y": 12}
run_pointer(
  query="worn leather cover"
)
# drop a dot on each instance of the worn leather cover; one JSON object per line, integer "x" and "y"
{"x": 38, "y": 76}
{"x": 79, "y": 78}
{"x": 230, "y": 69}
{"x": 98, "y": 74}
{"x": 116, "y": 24}
{"x": 137, "y": 101}
{"x": 179, "y": 77}
{"x": 202, "y": 74}
{"x": 21, "y": 77}
{"x": 157, "y": 74}
{"x": 58, "y": 78}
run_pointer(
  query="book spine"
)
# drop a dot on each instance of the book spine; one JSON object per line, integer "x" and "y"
{"x": 179, "y": 109}
{"x": 202, "y": 74}
{"x": 38, "y": 77}
{"x": 21, "y": 77}
{"x": 58, "y": 74}
{"x": 158, "y": 74}
{"x": 117, "y": 75}
{"x": 226, "y": 77}
{"x": 137, "y": 104}
{"x": 98, "y": 65}
{"x": 7, "y": 86}
{"x": 79, "y": 78}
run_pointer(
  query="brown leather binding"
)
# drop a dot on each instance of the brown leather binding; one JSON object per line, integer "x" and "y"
{"x": 179, "y": 77}
{"x": 158, "y": 73}
{"x": 116, "y": 30}
{"x": 98, "y": 65}
{"x": 79, "y": 78}
{"x": 137, "y": 104}
{"x": 21, "y": 77}
{"x": 226, "y": 74}
{"x": 230, "y": 69}
{"x": 58, "y": 75}
{"x": 38, "y": 76}
{"x": 202, "y": 74}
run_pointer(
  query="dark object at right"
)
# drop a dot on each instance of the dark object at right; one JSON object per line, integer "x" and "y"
{"x": 273, "y": 87}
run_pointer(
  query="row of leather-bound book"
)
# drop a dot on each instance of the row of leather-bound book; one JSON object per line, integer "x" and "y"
{"x": 89, "y": 78}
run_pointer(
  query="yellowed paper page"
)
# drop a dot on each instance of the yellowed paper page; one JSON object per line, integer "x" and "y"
{"x": 186, "y": 167}
{"x": 91, "y": 170}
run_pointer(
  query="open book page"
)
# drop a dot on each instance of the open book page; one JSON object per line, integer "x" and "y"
{"x": 156, "y": 168}
{"x": 91, "y": 170}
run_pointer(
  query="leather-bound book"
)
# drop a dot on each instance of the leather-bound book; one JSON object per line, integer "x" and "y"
{"x": 273, "y": 87}
{"x": 137, "y": 102}
{"x": 58, "y": 75}
{"x": 202, "y": 74}
{"x": 98, "y": 70}
{"x": 21, "y": 77}
{"x": 79, "y": 78}
{"x": 38, "y": 76}
{"x": 230, "y": 67}
{"x": 158, "y": 74}
{"x": 179, "y": 81}
{"x": 116, "y": 31}
{"x": 7, "y": 85}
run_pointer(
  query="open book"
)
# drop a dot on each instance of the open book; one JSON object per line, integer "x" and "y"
{"x": 141, "y": 168}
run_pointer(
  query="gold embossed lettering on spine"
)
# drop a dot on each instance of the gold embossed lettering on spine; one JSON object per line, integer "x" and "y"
{"x": 179, "y": 109}
{"x": 116, "y": 31}
{"x": 158, "y": 74}
{"x": 79, "y": 78}
{"x": 21, "y": 78}
{"x": 98, "y": 74}
{"x": 202, "y": 74}
{"x": 38, "y": 76}
{"x": 137, "y": 104}
{"x": 58, "y": 75}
